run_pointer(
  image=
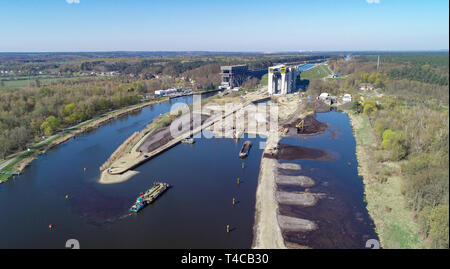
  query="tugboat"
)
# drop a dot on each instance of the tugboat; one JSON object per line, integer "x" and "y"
{"x": 149, "y": 196}
{"x": 245, "y": 149}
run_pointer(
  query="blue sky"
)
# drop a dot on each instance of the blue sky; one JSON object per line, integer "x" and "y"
{"x": 232, "y": 25}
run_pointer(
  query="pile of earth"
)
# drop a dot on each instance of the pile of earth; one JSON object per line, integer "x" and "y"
{"x": 311, "y": 126}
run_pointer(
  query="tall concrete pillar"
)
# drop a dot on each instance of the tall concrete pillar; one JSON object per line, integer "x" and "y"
{"x": 283, "y": 88}
{"x": 270, "y": 82}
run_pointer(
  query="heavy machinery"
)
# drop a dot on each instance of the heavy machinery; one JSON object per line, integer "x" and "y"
{"x": 300, "y": 126}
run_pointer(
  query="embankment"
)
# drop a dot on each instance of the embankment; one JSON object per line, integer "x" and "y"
{"x": 394, "y": 223}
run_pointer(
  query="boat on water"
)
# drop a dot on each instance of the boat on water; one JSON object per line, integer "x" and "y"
{"x": 149, "y": 196}
{"x": 245, "y": 149}
{"x": 188, "y": 141}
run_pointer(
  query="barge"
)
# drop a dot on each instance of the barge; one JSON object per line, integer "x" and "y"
{"x": 245, "y": 149}
{"x": 149, "y": 196}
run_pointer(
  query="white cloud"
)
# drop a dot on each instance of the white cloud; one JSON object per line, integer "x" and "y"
{"x": 373, "y": 1}
{"x": 73, "y": 1}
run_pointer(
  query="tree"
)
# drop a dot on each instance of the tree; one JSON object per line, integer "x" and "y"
{"x": 438, "y": 222}
{"x": 50, "y": 125}
{"x": 396, "y": 143}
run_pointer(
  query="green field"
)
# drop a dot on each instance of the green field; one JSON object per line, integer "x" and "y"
{"x": 317, "y": 72}
{"x": 25, "y": 82}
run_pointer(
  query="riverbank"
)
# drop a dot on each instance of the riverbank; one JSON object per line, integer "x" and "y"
{"x": 19, "y": 162}
{"x": 394, "y": 223}
{"x": 266, "y": 232}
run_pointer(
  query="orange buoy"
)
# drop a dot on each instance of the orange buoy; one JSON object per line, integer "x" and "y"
{"x": 50, "y": 226}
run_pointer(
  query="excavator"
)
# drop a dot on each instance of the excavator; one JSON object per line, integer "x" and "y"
{"x": 300, "y": 126}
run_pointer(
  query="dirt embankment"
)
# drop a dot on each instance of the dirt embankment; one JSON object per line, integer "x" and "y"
{"x": 310, "y": 127}
{"x": 120, "y": 151}
{"x": 289, "y": 152}
{"x": 163, "y": 135}
{"x": 321, "y": 107}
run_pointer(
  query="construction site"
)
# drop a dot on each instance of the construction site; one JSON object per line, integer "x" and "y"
{"x": 232, "y": 117}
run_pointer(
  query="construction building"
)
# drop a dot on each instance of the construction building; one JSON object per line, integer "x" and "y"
{"x": 282, "y": 79}
{"x": 233, "y": 76}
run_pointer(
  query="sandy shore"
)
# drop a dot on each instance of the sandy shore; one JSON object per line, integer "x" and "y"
{"x": 267, "y": 232}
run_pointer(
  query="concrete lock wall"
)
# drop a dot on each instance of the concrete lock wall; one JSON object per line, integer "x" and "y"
{"x": 281, "y": 79}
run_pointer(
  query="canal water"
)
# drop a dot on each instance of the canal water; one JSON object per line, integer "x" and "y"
{"x": 305, "y": 67}
{"x": 341, "y": 215}
{"x": 192, "y": 214}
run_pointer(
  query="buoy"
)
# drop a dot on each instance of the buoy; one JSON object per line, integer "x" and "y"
{"x": 228, "y": 228}
{"x": 67, "y": 196}
{"x": 50, "y": 226}
{"x": 243, "y": 165}
{"x": 85, "y": 169}
{"x": 238, "y": 181}
{"x": 234, "y": 201}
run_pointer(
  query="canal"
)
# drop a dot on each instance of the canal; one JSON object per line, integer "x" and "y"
{"x": 341, "y": 214}
{"x": 195, "y": 211}
{"x": 192, "y": 214}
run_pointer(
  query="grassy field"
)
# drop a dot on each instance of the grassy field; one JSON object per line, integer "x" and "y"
{"x": 317, "y": 72}
{"x": 24, "y": 82}
{"x": 394, "y": 223}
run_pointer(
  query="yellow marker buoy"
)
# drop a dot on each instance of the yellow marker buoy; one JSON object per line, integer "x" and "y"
{"x": 228, "y": 228}
{"x": 234, "y": 202}
{"x": 67, "y": 196}
{"x": 238, "y": 181}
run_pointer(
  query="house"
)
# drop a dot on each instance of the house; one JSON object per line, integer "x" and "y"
{"x": 347, "y": 97}
{"x": 324, "y": 96}
{"x": 365, "y": 87}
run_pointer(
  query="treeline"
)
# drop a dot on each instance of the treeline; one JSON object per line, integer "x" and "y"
{"x": 418, "y": 136}
{"x": 27, "y": 115}
{"x": 419, "y": 73}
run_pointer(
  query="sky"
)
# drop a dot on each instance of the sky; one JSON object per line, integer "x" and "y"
{"x": 217, "y": 25}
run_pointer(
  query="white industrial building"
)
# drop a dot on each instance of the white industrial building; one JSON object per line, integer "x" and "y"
{"x": 282, "y": 79}
{"x": 168, "y": 91}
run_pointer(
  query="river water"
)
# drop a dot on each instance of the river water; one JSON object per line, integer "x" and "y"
{"x": 341, "y": 215}
{"x": 192, "y": 214}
